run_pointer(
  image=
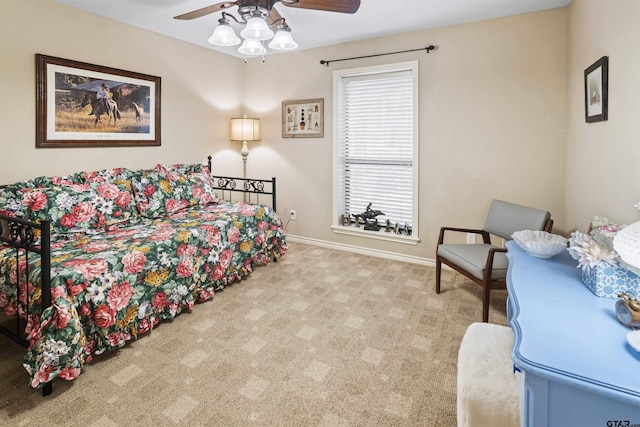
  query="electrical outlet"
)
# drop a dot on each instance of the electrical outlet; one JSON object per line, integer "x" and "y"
{"x": 471, "y": 238}
{"x": 292, "y": 214}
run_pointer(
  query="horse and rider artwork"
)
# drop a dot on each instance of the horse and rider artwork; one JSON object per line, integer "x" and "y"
{"x": 98, "y": 105}
{"x": 111, "y": 104}
{"x": 368, "y": 217}
{"x": 83, "y": 105}
{"x": 102, "y": 104}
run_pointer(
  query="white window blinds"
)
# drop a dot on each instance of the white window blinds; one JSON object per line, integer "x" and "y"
{"x": 376, "y": 151}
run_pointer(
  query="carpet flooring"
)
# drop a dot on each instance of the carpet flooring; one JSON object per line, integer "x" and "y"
{"x": 320, "y": 338}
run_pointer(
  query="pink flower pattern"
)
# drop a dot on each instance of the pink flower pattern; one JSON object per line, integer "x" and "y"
{"x": 121, "y": 284}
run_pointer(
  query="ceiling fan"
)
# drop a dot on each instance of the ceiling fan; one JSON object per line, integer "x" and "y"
{"x": 258, "y": 16}
{"x": 246, "y": 7}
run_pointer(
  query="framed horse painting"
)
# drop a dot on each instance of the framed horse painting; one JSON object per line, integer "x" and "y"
{"x": 86, "y": 105}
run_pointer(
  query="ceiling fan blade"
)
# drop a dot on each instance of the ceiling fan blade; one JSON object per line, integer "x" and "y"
{"x": 274, "y": 16}
{"x": 206, "y": 10}
{"x": 343, "y": 6}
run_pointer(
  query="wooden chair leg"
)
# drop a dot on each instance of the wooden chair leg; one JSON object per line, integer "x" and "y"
{"x": 485, "y": 302}
{"x": 438, "y": 271}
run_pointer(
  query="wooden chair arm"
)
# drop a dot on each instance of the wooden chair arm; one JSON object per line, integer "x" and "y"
{"x": 488, "y": 269}
{"x": 484, "y": 234}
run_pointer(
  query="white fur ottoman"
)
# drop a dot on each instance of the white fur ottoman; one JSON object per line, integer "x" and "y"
{"x": 487, "y": 386}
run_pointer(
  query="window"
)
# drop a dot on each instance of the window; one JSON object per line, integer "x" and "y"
{"x": 376, "y": 144}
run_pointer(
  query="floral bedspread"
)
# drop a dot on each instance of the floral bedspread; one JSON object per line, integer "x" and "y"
{"x": 111, "y": 287}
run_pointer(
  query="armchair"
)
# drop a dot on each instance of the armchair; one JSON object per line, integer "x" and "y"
{"x": 485, "y": 263}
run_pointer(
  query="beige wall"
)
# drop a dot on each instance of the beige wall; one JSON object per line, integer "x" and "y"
{"x": 492, "y": 112}
{"x": 201, "y": 89}
{"x": 603, "y": 158}
{"x": 492, "y": 117}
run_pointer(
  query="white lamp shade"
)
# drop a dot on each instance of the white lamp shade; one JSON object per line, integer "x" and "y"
{"x": 256, "y": 29}
{"x": 252, "y": 47}
{"x": 245, "y": 129}
{"x": 627, "y": 243}
{"x": 224, "y": 36}
{"x": 283, "y": 41}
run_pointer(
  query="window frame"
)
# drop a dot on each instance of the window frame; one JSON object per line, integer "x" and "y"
{"x": 338, "y": 76}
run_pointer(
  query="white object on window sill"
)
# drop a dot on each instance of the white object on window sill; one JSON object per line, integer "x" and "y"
{"x": 379, "y": 235}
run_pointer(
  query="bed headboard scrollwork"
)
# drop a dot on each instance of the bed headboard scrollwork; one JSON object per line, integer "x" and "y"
{"x": 251, "y": 188}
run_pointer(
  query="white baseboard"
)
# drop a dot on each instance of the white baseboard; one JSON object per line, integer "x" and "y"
{"x": 363, "y": 251}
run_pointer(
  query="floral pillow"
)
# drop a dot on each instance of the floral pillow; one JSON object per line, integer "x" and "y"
{"x": 48, "y": 181}
{"x": 182, "y": 169}
{"x": 116, "y": 175}
{"x": 82, "y": 207}
{"x": 11, "y": 201}
{"x": 197, "y": 187}
{"x": 14, "y": 198}
{"x": 161, "y": 193}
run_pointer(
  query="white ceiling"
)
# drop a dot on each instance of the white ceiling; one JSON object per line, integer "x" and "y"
{"x": 313, "y": 28}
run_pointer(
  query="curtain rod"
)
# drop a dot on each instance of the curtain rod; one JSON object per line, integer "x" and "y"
{"x": 427, "y": 49}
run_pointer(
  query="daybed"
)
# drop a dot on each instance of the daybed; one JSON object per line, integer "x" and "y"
{"x": 92, "y": 260}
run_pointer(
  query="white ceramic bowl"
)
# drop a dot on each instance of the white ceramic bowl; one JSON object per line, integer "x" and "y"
{"x": 540, "y": 243}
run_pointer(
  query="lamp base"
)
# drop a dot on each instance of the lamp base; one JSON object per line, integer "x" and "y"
{"x": 244, "y": 153}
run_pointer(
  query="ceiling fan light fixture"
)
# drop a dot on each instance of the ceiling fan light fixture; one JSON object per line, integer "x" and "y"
{"x": 258, "y": 18}
{"x": 252, "y": 48}
{"x": 283, "y": 40}
{"x": 224, "y": 35}
{"x": 256, "y": 29}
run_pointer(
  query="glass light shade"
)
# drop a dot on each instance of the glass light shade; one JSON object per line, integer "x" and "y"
{"x": 224, "y": 36}
{"x": 256, "y": 29}
{"x": 283, "y": 41}
{"x": 252, "y": 47}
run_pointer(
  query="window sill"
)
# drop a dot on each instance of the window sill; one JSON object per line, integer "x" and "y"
{"x": 378, "y": 235}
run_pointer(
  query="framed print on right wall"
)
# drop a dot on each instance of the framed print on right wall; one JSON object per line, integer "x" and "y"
{"x": 303, "y": 118}
{"x": 596, "y": 91}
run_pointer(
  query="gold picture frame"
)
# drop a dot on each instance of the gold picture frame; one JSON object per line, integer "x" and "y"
{"x": 303, "y": 118}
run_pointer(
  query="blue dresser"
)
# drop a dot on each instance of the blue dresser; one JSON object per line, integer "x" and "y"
{"x": 578, "y": 369}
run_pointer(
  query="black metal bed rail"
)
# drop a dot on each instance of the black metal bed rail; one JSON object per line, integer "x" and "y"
{"x": 22, "y": 235}
{"x": 249, "y": 186}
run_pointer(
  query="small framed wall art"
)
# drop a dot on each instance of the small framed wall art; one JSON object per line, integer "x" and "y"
{"x": 596, "y": 91}
{"x": 303, "y": 118}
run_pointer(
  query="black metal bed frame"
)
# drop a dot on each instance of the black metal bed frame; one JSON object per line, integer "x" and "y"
{"x": 22, "y": 235}
{"x": 248, "y": 186}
